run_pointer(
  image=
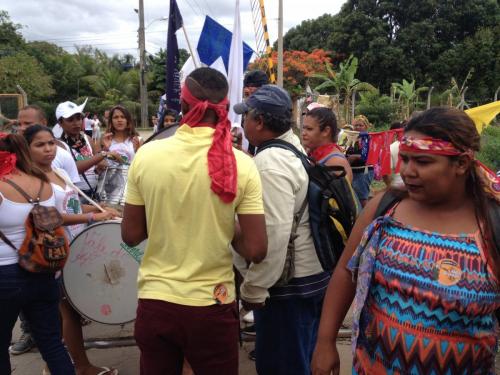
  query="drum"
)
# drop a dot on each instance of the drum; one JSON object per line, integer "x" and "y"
{"x": 100, "y": 275}
{"x": 111, "y": 185}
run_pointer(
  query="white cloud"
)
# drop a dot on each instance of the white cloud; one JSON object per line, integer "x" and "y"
{"x": 112, "y": 25}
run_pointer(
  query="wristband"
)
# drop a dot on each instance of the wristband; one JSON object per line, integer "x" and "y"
{"x": 90, "y": 218}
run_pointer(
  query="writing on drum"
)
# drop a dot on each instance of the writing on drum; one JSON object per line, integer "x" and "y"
{"x": 98, "y": 245}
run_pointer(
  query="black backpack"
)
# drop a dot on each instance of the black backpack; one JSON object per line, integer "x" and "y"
{"x": 333, "y": 205}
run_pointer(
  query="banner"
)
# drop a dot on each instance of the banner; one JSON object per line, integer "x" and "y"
{"x": 172, "y": 81}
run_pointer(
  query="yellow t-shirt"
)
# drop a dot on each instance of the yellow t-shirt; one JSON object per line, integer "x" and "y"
{"x": 189, "y": 228}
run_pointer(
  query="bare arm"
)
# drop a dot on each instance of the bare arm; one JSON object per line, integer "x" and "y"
{"x": 134, "y": 228}
{"x": 250, "y": 238}
{"x": 338, "y": 299}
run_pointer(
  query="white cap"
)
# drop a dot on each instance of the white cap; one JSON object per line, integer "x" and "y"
{"x": 314, "y": 105}
{"x": 68, "y": 109}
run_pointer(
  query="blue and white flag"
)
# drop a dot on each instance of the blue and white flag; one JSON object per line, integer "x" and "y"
{"x": 215, "y": 42}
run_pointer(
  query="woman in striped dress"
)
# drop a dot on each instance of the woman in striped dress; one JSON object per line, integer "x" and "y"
{"x": 424, "y": 275}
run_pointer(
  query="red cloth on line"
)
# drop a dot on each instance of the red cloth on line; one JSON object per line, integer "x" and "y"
{"x": 323, "y": 151}
{"x": 380, "y": 149}
{"x": 221, "y": 159}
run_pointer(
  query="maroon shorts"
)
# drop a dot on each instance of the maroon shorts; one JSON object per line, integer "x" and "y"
{"x": 206, "y": 336}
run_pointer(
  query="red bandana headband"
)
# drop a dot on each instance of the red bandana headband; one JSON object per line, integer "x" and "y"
{"x": 7, "y": 160}
{"x": 221, "y": 159}
{"x": 489, "y": 180}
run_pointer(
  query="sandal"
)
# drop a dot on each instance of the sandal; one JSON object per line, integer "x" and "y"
{"x": 108, "y": 371}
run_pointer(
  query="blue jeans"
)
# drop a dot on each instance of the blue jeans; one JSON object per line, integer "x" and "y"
{"x": 287, "y": 330}
{"x": 361, "y": 184}
{"x": 37, "y": 295}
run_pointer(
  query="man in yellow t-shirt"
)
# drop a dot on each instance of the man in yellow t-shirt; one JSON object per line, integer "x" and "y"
{"x": 183, "y": 193}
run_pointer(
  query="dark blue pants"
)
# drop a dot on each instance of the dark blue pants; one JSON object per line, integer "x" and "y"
{"x": 37, "y": 295}
{"x": 287, "y": 330}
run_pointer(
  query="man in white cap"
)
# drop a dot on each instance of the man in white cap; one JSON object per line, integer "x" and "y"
{"x": 86, "y": 155}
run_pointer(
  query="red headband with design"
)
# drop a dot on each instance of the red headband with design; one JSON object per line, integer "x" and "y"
{"x": 488, "y": 178}
{"x": 221, "y": 159}
{"x": 428, "y": 145}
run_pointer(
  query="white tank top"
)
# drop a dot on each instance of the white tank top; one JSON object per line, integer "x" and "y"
{"x": 12, "y": 218}
{"x": 125, "y": 149}
{"x": 68, "y": 202}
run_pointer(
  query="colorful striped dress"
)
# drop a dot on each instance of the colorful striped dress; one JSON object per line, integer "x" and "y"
{"x": 424, "y": 303}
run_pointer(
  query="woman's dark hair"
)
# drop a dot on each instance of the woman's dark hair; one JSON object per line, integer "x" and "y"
{"x": 33, "y": 130}
{"x": 326, "y": 118}
{"x": 130, "y": 121}
{"x": 17, "y": 145}
{"x": 455, "y": 126}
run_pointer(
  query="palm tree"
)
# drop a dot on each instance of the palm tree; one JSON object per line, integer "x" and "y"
{"x": 112, "y": 86}
{"x": 407, "y": 95}
{"x": 343, "y": 83}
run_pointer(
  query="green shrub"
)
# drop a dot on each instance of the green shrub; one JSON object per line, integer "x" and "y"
{"x": 378, "y": 108}
{"x": 490, "y": 147}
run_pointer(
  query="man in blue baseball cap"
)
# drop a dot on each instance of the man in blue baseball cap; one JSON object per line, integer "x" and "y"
{"x": 282, "y": 301}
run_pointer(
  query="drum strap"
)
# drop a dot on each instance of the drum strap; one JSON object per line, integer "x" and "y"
{"x": 93, "y": 191}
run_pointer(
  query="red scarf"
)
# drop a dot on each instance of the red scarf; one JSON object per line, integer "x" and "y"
{"x": 221, "y": 160}
{"x": 323, "y": 151}
{"x": 7, "y": 160}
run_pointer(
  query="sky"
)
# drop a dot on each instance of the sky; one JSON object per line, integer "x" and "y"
{"x": 111, "y": 25}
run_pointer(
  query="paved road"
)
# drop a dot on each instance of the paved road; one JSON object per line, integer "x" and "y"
{"x": 126, "y": 359}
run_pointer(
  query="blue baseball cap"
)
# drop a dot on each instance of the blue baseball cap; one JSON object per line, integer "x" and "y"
{"x": 269, "y": 99}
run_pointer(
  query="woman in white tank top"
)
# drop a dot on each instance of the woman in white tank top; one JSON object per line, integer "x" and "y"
{"x": 42, "y": 145}
{"x": 36, "y": 294}
{"x": 121, "y": 136}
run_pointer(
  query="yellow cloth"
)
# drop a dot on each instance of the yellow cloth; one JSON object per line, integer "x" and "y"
{"x": 189, "y": 228}
{"x": 484, "y": 114}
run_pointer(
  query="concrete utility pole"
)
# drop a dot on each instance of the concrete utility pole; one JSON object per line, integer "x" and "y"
{"x": 280, "y": 44}
{"x": 142, "y": 68}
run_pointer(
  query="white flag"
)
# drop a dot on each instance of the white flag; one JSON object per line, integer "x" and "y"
{"x": 235, "y": 69}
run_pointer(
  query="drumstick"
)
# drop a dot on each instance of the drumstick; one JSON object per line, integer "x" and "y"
{"x": 70, "y": 183}
{"x": 95, "y": 204}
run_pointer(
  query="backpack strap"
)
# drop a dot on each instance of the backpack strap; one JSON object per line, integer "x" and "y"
{"x": 286, "y": 146}
{"x": 335, "y": 155}
{"x": 388, "y": 200}
{"x": 6, "y": 240}
{"x": 26, "y": 195}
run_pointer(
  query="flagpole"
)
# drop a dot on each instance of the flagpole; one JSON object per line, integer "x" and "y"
{"x": 280, "y": 44}
{"x": 189, "y": 46}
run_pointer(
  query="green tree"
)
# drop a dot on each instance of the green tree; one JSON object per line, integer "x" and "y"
{"x": 11, "y": 40}
{"x": 427, "y": 40}
{"x": 407, "y": 95}
{"x": 377, "y": 108}
{"x": 343, "y": 82}
{"x": 24, "y": 70}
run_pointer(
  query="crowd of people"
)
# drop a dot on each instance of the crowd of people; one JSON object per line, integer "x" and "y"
{"x": 227, "y": 221}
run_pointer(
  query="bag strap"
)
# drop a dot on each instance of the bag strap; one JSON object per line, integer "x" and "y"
{"x": 93, "y": 190}
{"x": 6, "y": 240}
{"x": 26, "y": 195}
{"x": 388, "y": 200}
{"x": 335, "y": 155}
{"x": 305, "y": 161}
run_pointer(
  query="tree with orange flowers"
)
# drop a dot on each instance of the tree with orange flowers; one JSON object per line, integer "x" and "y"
{"x": 298, "y": 68}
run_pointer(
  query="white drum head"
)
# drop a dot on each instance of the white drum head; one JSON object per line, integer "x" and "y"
{"x": 100, "y": 276}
